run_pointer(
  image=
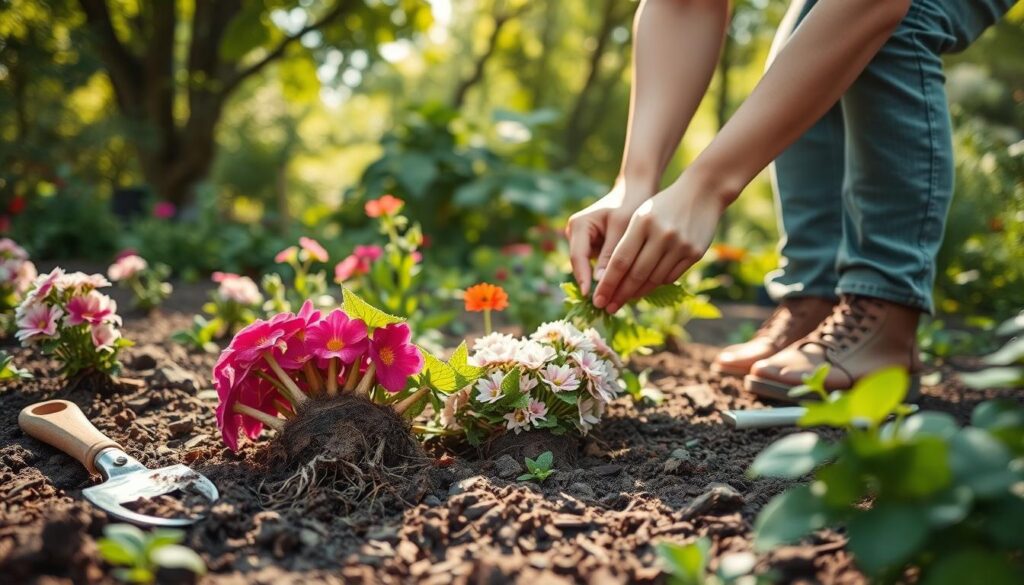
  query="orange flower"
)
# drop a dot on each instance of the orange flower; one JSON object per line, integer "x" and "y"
{"x": 728, "y": 253}
{"x": 386, "y": 205}
{"x": 486, "y": 297}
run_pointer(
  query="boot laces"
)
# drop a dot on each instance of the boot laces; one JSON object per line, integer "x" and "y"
{"x": 780, "y": 322}
{"x": 846, "y": 325}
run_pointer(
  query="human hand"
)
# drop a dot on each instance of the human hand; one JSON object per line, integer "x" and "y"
{"x": 595, "y": 230}
{"x": 665, "y": 236}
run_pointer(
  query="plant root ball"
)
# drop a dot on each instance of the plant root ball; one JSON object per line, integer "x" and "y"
{"x": 341, "y": 452}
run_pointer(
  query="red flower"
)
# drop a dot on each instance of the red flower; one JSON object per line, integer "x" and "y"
{"x": 386, "y": 205}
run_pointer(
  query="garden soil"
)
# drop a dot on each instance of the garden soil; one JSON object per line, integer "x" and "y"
{"x": 649, "y": 473}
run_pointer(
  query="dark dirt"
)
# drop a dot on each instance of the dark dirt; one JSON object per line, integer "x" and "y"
{"x": 648, "y": 473}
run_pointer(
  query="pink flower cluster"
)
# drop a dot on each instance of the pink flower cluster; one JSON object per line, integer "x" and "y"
{"x": 307, "y": 250}
{"x": 272, "y": 366}
{"x": 239, "y": 289}
{"x": 16, "y": 271}
{"x": 357, "y": 263}
{"x": 66, "y": 307}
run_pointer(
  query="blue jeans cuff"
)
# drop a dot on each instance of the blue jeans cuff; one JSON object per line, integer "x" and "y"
{"x": 872, "y": 284}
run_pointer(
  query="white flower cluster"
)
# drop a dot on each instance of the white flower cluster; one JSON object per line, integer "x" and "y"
{"x": 564, "y": 379}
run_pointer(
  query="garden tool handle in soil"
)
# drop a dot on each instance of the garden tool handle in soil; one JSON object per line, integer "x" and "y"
{"x": 63, "y": 425}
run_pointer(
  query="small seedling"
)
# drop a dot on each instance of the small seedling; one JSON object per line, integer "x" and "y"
{"x": 539, "y": 469}
{"x": 138, "y": 556}
{"x": 687, "y": 564}
{"x": 8, "y": 371}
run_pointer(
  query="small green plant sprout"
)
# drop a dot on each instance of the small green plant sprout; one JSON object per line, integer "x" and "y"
{"x": 945, "y": 501}
{"x": 539, "y": 469}
{"x": 146, "y": 282}
{"x": 687, "y": 564}
{"x": 138, "y": 556}
{"x": 639, "y": 388}
{"x": 8, "y": 371}
{"x": 643, "y": 323}
{"x": 201, "y": 336}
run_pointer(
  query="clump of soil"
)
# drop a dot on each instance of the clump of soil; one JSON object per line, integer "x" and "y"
{"x": 344, "y": 452}
{"x": 181, "y": 503}
{"x": 564, "y": 448}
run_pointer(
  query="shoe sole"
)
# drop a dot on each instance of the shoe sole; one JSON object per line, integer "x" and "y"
{"x": 778, "y": 391}
{"x": 727, "y": 371}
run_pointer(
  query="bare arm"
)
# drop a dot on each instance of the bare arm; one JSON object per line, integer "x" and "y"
{"x": 677, "y": 45}
{"x": 672, "y": 230}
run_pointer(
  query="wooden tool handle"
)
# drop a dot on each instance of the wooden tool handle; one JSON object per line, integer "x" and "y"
{"x": 63, "y": 425}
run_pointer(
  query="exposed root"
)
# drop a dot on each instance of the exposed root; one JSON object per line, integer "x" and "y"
{"x": 345, "y": 454}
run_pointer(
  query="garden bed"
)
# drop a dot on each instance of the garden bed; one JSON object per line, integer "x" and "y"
{"x": 647, "y": 473}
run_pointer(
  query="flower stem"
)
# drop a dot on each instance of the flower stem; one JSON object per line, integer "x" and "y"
{"x": 435, "y": 431}
{"x": 487, "y": 321}
{"x": 408, "y": 403}
{"x": 296, "y": 395}
{"x": 353, "y": 375}
{"x": 316, "y": 384}
{"x": 366, "y": 384}
{"x": 283, "y": 409}
{"x": 271, "y": 421}
{"x": 332, "y": 376}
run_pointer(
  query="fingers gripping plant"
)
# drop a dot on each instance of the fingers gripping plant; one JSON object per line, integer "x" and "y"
{"x": 944, "y": 499}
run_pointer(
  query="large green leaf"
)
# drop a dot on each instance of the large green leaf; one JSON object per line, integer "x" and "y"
{"x": 886, "y": 536}
{"x": 357, "y": 308}
{"x": 874, "y": 397}
{"x": 973, "y": 566}
{"x": 981, "y": 462}
{"x": 792, "y": 456}
{"x": 788, "y": 518}
{"x": 686, "y": 563}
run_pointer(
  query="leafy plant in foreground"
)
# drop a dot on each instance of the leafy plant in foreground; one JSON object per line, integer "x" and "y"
{"x": 944, "y": 499}
{"x": 139, "y": 556}
{"x": 687, "y": 564}
{"x": 145, "y": 282}
{"x": 539, "y": 469}
{"x": 632, "y": 328}
{"x": 69, "y": 319}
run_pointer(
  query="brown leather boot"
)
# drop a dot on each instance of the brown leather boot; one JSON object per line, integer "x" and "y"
{"x": 793, "y": 319}
{"x": 862, "y": 335}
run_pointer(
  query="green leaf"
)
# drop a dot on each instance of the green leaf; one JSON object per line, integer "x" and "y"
{"x": 115, "y": 553}
{"x": 840, "y": 483}
{"x": 175, "y": 556}
{"x": 789, "y": 517}
{"x": 460, "y": 363}
{"x": 1006, "y": 520}
{"x": 632, "y": 337}
{"x": 913, "y": 470}
{"x": 973, "y": 566}
{"x": 996, "y": 377}
{"x": 437, "y": 374}
{"x": 687, "y": 563}
{"x": 816, "y": 379}
{"x": 357, "y": 308}
{"x": 926, "y": 424}
{"x": 834, "y": 412}
{"x": 949, "y": 507}
{"x": 545, "y": 460}
{"x": 525, "y": 477}
{"x": 129, "y": 537}
{"x": 567, "y": 397}
{"x": 701, "y": 308}
{"x": 997, "y": 414}
{"x": 792, "y": 456}
{"x": 981, "y": 462}
{"x": 874, "y": 397}
{"x": 886, "y": 536}
{"x": 666, "y": 295}
{"x": 163, "y": 537}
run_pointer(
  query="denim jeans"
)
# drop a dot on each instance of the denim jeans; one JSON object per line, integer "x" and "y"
{"x": 863, "y": 195}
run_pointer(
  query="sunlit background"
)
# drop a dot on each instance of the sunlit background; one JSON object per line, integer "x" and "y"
{"x": 493, "y": 119}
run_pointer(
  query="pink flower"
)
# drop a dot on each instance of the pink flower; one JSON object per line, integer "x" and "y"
{"x": 219, "y": 277}
{"x": 347, "y": 268}
{"x": 92, "y": 308}
{"x": 10, "y": 249}
{"x": 37, "y": 321}
{"x": 45, "y": 283}
{"x": 164, "y": 210}
{"x": 287, "y": 255}
{"x": 240, "y": 289}
{"x": 104, "y": 336}
{"x": 80, "y": 282}
{"x": 338, "y": 336}
{"x": 536, "y": 411}
{"x": 259, "y": 337}
{"x": 370, "y": 253}
{"x": 489, "y": 388}
{"x": 313, "y": 248}
{"x": 386, "y": 205}
{"x": 395, "y": 357}
{"x": 560, "y": 378}
{"x": 126, "y": 267}
{"x": 24, "y": 276}
{"x": 416, "y": 257}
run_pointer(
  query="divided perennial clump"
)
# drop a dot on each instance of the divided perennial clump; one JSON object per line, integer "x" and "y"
{"x": 559, "y": 379}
